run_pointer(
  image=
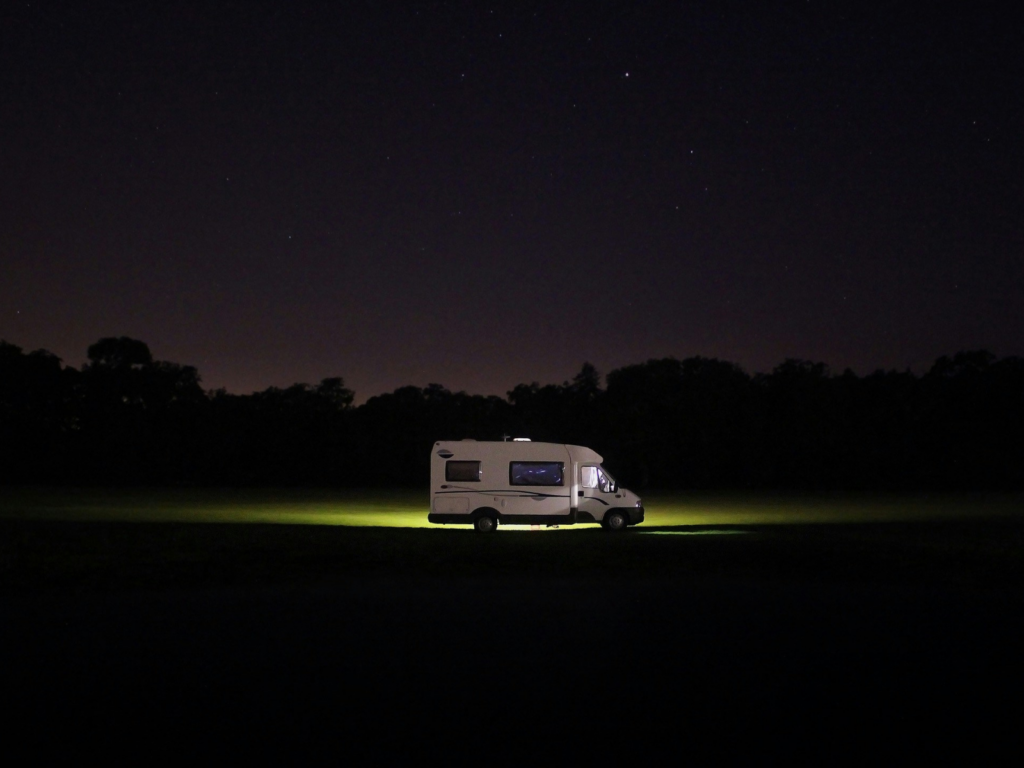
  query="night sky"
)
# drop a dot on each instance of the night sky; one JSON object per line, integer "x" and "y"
{"x": 487, "y": 194}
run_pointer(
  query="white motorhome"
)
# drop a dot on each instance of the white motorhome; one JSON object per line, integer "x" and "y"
{"x": 485, "y": 483}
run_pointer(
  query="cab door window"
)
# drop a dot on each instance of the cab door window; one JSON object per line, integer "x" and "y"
{"x": 596, "y": 477}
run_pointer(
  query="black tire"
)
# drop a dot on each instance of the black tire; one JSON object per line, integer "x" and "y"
{"x": 615, "y": 520}
{"x": 485, "y": 523}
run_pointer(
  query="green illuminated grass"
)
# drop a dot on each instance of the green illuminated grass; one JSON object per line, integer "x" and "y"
{"x": 91, "y": 538}
{"x": 796, "y": 509}
{"x": 408, "y": 509}
{"x": 390, "y": 509}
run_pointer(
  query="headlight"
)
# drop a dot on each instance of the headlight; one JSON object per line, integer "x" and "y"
{"x": 638, "y": 505}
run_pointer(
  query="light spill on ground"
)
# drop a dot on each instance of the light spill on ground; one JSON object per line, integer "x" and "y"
{"x": 404, "y": 509}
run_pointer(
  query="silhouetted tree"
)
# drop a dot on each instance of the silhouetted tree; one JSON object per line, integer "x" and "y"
{"x": 37, "y": 418}
{"x": 681, "y": 423}
{"x": 119, "y": 354}
{"x": 394, "y": 432}
{"x": 278, "y": 436}
{"x": 800, "y": 417}
{"x": 694, "y": 423}
{"x": 141, "y": 419}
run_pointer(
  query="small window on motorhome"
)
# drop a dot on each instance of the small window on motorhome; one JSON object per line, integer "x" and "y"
{"x": 536, "y": 473}
{"x": 588, "y": 477}
{"x": 462, "y": 471}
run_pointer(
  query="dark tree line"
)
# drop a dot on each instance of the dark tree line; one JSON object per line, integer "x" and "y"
{"x": 125, "y": 418}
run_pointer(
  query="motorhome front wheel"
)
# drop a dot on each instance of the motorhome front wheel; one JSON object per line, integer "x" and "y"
{"x": 615, "y": 521}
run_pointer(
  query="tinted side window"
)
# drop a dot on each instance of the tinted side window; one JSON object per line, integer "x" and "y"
{"x": 462, "y": 471}
{"x": 536, "y": 473}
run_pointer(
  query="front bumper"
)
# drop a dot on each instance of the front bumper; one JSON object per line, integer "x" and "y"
{"x": 636, "y": 515}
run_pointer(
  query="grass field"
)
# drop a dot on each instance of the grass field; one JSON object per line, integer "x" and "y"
{"x": 408, "y": 509}
{"x": 346, "y": 609}
{"x": 196, "y": 537}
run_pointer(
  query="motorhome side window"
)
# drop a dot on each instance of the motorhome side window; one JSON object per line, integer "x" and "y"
{"x": 536, "y": 473}
{"x": 462, "y": 471}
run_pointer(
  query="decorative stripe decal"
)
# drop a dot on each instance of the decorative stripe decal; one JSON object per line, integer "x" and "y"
{"x": 506, "y": 492}
{"x": 515, "y": 494}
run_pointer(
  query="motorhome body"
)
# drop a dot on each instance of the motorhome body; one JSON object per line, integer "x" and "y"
{"x": 484, "y": 483}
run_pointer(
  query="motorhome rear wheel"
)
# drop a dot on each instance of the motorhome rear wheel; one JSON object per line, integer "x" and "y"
{"x": 485, "y": 523}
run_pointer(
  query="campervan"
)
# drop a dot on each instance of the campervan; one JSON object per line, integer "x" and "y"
{"x": 484, "y": 483}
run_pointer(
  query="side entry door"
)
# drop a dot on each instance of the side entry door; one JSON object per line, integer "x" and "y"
{"x": 538, "y": 489}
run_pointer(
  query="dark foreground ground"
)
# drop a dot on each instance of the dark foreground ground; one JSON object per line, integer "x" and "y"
{"x": 786, "y": 640}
